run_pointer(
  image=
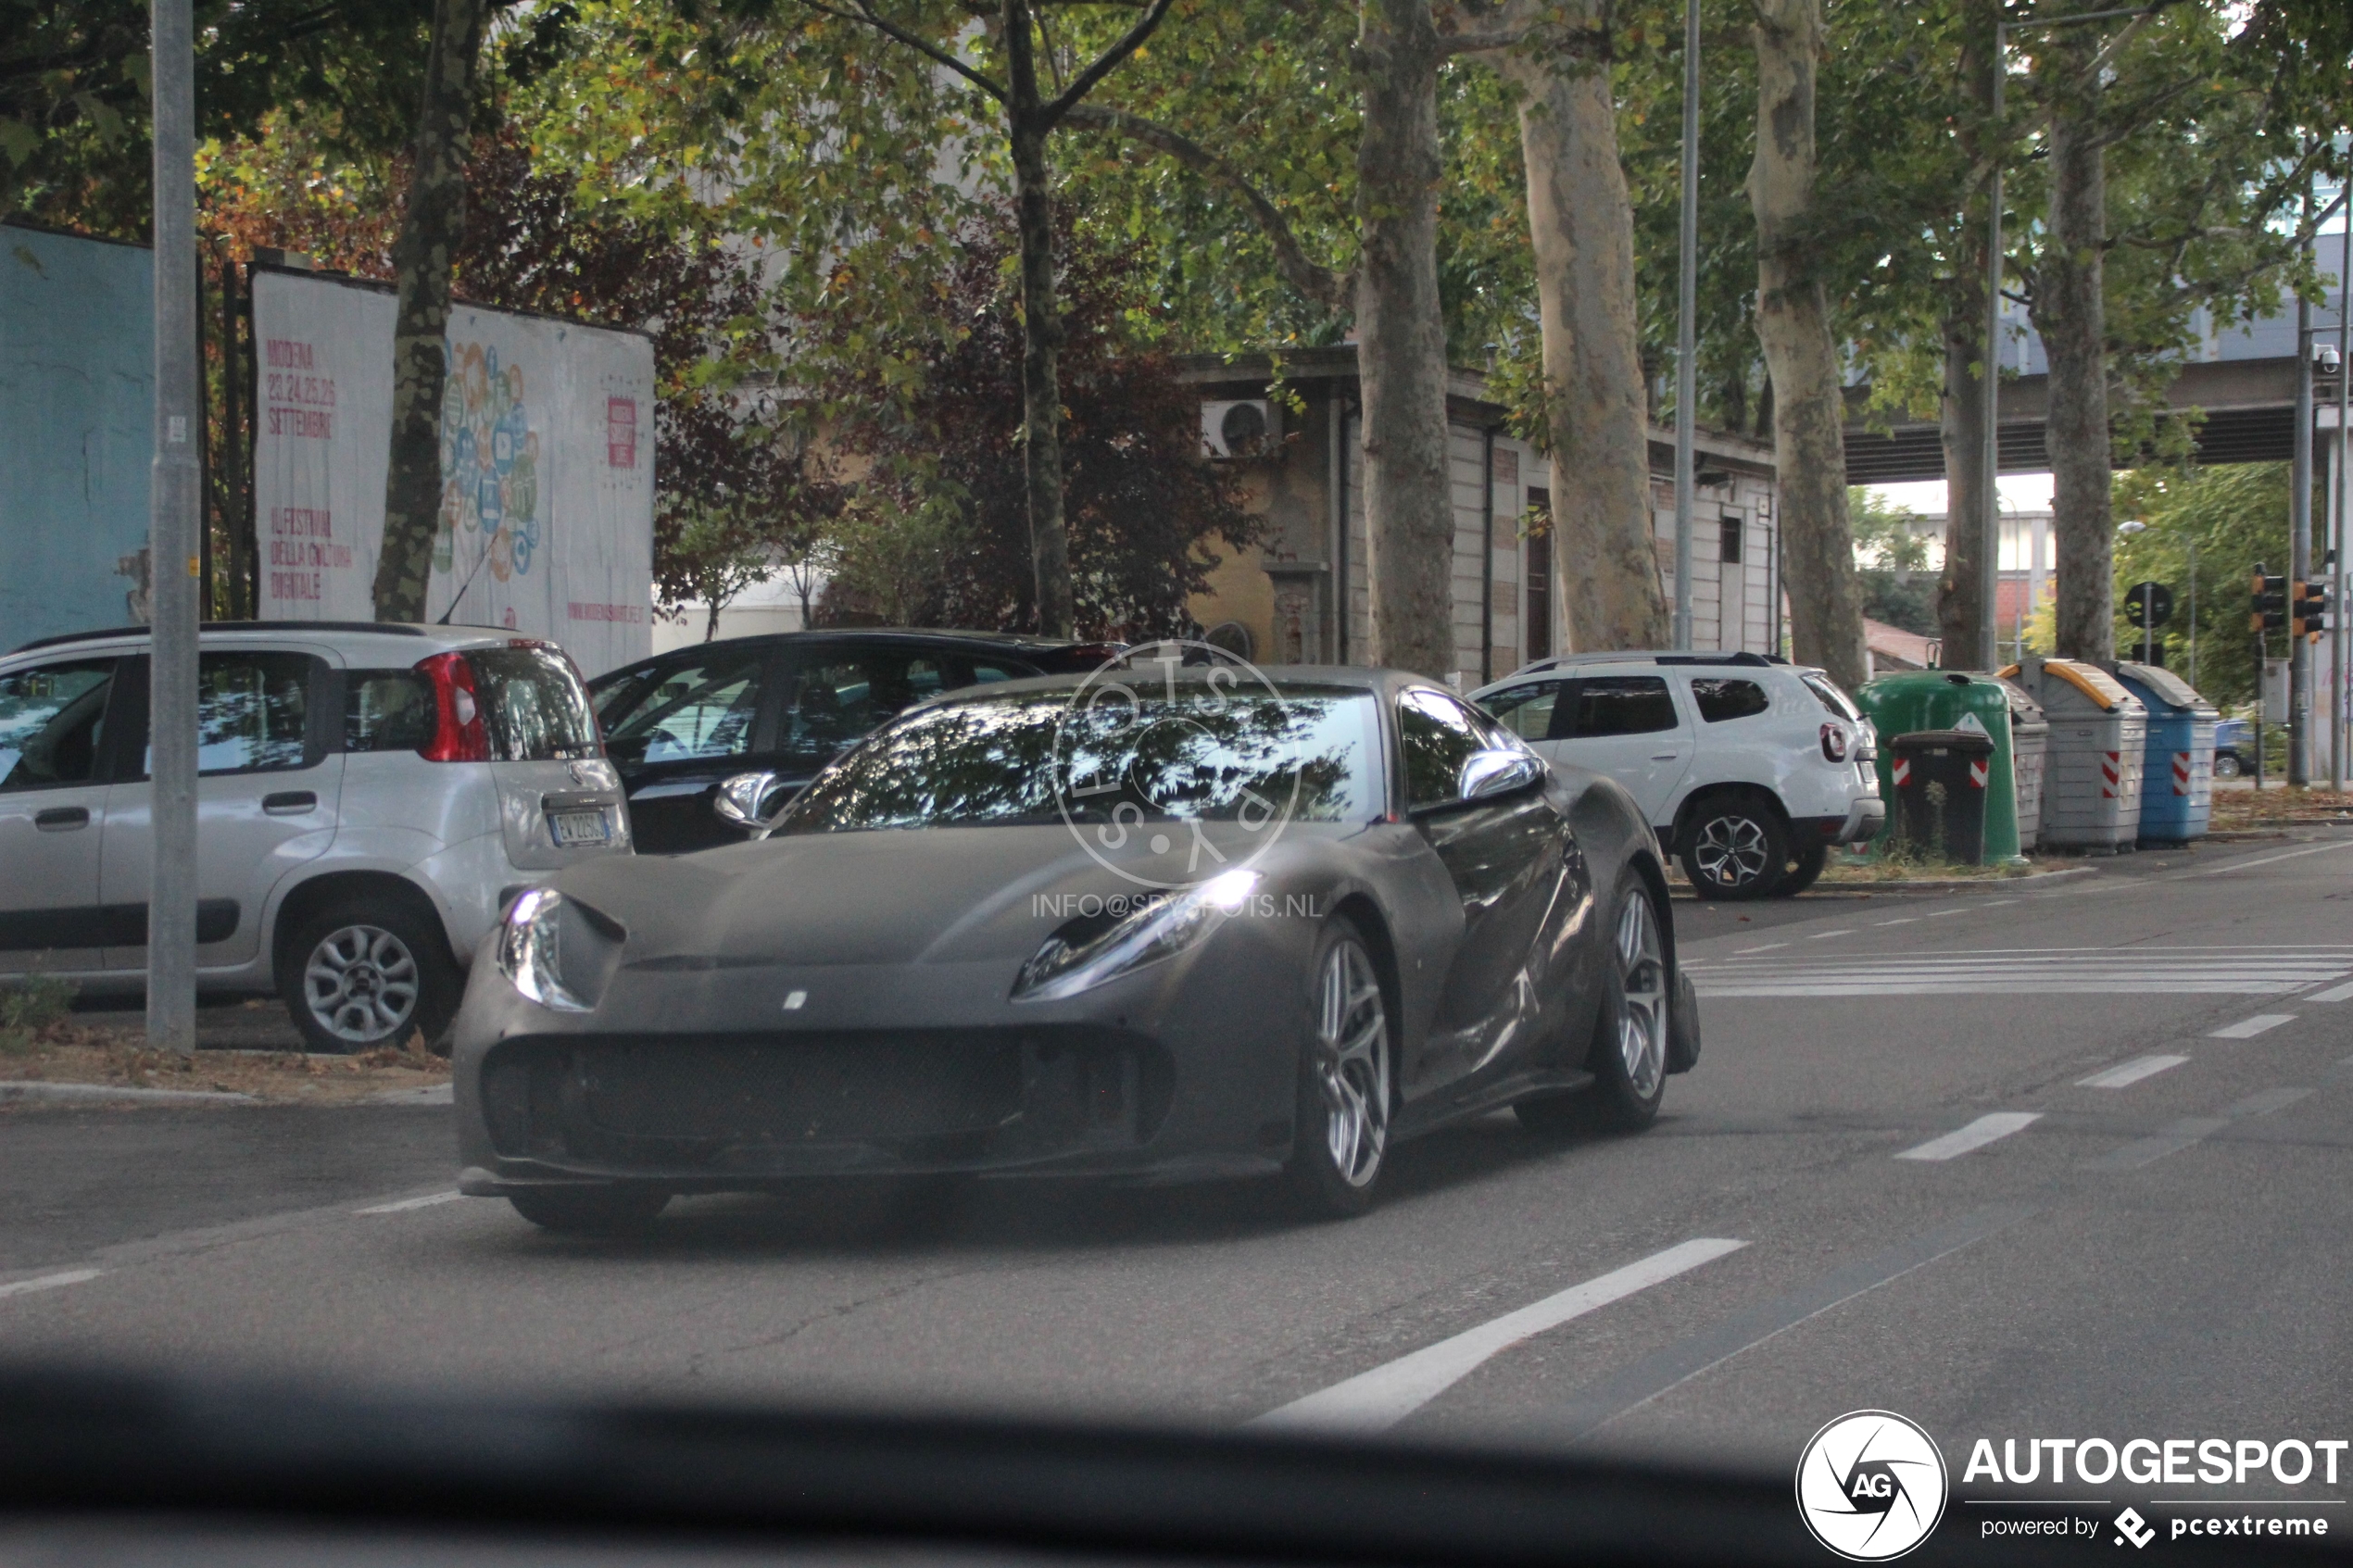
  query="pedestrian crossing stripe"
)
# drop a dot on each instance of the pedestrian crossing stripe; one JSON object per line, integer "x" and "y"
{"x": 2031, "y": 972}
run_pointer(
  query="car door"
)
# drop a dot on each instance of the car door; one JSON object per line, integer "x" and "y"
{"x": 269, "y": 787}
{"x": 1504, "y": 855}
{"x": 1527, "y": 710}
{"x": 1630, "y": 727}
{"x": 55, "y": 751}
{"x": 679, "y": 726}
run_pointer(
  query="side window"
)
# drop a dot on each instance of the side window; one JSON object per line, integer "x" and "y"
{"x": 253, "y": 713}
{"x": 386, "y": 710}
{"x": 1623, "y": 705}
{"x": 695, "y": 708}
{"x": 984, "y": 673}
{"x": 1526, "y": 710}
{"x": 1438, "y": 736}
{"x": 1719, "y": 698}
{"x": 52, "y": 720}
{"x": 841, "y": 700}
{"x": 1826, "y": 691}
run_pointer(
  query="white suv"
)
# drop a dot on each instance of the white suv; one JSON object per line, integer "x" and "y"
{"x": 1749, "y": 768}
{"x": 368, "y": 799}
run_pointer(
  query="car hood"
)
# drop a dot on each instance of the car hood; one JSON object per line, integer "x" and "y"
{"x": 890, "y": 896}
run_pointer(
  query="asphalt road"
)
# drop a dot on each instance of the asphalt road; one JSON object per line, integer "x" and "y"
{"x": 2065, "y": 1160}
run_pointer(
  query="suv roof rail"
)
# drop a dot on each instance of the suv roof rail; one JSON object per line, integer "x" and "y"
{"x": 1650, "y": 655}
{"x": 390, "y": 628}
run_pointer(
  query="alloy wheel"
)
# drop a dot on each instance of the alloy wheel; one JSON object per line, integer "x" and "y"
{"x": 1732, "y": 852}
{"x": 1641, "y": 1024}
{"x": 1352, "y": 1063}
{"x": 362, "y": 983}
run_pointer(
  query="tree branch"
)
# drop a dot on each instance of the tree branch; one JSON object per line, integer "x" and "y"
{"x": 865, "y": 14}
{"x": 1084, "y": 82}
{"x": 1325, "y": 286}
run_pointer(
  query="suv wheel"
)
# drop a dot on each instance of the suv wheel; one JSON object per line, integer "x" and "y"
{"x": 364, "y": 973}
{"x": 1736, "y": 848}
{"x": 1804, "y": 872}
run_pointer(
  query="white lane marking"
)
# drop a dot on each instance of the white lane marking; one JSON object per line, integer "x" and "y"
{"x": 1940, "y": 914}
{"x": 1977, "y": 1134}
{"x": 1766, "y": 948}
{"x": 2268, "y": 859}
{"x": 2247, "y": 1028}
{"x": 49, "y": 1282}
{"x": 1378, "y": 1400}
{"x": 1905, "y": 921}
{"x": 2333, "y": 993}
{"x": 1996, "y": 903}
{"x": 408, "y": 1203}
{"x": 1819, "y": 934}
{"x": 2126, "y": 1073}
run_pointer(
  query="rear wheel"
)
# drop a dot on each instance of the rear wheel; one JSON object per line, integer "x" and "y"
{"x": 367, "y": 973}
{"x": 1342, "y": 1139}
{"x": 1629, "y": 1057}
{"x": 2226, "y": 765}
{"x": 1804, "y": 872}
{"x": 1736, "y": 848}
{"x": 589, "y": 1211}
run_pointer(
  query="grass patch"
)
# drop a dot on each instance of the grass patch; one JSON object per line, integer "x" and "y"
{"x": 29, "y": 1007}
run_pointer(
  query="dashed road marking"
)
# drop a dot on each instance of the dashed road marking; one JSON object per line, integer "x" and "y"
{"x": 1820, "y": 935}
{"x": 1378, "y": 1400}
{"x": 2126, "y": 1073}
{"x": 49, "y": 1282}
{"x": 1901, "y": 919}
{"x": 408, "y": 1203}
{"x": 1768, "y": 946}
{"x": 1940, "y": 914}
{"x": 2247, "y": 1028}
{"x": 2333, "y": 993}
{"x": 1977, "y": 1134}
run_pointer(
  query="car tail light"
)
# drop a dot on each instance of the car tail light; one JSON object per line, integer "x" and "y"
{"x": 457, "y": 732}
{"x": 1834, "y": 741}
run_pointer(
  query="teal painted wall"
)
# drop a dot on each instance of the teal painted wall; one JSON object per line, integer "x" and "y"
{"x": 77, "y": 379}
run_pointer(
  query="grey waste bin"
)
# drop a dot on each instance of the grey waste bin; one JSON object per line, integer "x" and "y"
{"x": 2030, "y": 744}
{"x": 2093, "y": 761}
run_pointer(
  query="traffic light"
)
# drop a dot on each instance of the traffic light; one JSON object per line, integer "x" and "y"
{"x": 2311, "y": 609}
{"x": 2270, "y": 602}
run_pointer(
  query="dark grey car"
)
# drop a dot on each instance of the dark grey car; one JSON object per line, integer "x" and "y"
{"x": 1020, "y": 931}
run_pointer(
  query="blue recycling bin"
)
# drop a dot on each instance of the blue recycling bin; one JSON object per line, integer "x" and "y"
{"x": 2177, "y": 778}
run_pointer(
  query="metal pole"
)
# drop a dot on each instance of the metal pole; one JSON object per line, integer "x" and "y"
{"x": 1990, "y": 512}
{"x": 2340, "y": 647}
{"x": 173, "y": 544}
{"x": 1687, "y": 329}
{"x": 2193, "y": 612}
{"x": 2299, "y": 547}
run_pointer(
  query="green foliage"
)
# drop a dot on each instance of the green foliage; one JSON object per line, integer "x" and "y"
{"x": 1890, "y": 561}
{"x": 30, "y": 1004}
{"x": 2237, "y": 516}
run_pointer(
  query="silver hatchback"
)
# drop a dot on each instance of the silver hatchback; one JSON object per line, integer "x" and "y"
{"x": 369, "y": 797}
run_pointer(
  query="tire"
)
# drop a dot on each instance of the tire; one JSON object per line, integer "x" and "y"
{"x": 590, "y": 1210}
{"x": 367, "y": 972}
{"x": 1735, "y": 847}
{"x": 1629, "y": 1058}
{"x": 1804, "y": 872}
{"x": 1339, "y": 1146}
{"x": 2226, "y": 765}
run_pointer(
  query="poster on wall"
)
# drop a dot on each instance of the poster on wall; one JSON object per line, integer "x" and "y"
{"x": 546, "y": 468}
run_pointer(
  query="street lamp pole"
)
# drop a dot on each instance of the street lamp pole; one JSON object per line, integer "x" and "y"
{"x": 1989, "y": 570}
{"x": 1687, "y": 329}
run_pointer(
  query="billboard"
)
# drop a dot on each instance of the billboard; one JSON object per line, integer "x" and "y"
{"x": 547, "y": 467}
{"x": 76, "y": 432}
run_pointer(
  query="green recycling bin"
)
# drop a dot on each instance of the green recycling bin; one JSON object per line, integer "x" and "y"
{"x": 1911, "y": 701}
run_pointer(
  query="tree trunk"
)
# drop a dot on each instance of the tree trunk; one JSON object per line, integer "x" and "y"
{"x": 1961, "y": 416}
{"x": 421, "y": 257}
{"x": 1581, "y": 224}
{"x": 2070, "y": 313}
{"x": 1409, "y": 515}
{"x": 1040, "y": 383}
{"x": 1792, "y": 324}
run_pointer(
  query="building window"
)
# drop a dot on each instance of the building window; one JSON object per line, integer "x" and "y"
{"x": 1728, "y": 551}
{"x": 1536, "y": 573}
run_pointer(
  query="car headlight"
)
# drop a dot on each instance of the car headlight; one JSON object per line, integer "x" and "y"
{"x": 531, "y": 950}
{"x": 1161, "y": 927}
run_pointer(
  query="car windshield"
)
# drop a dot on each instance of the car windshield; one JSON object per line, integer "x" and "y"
{"x": 1199, "y": 752}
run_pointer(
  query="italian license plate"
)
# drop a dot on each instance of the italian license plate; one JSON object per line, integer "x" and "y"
{"x": 574, "y": 829}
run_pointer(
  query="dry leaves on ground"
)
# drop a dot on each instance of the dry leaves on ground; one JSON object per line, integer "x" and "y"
{"x": 69, "y": 1052}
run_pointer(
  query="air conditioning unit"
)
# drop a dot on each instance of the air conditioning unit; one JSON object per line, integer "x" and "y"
{"x": 1243, "y": 428}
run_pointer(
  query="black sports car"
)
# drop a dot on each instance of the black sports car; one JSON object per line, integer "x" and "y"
{"x": 1175, "y": 924}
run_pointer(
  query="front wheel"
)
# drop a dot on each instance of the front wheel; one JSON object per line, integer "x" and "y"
{"x": 1341, "y": 1137}
{"x": 1629, "y": 1060}
{"x": 1736, "y": 848}
{"x": 2226, "y": 765}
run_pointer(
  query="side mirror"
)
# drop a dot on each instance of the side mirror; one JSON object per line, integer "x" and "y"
{"x": 1489, "y": 773}
{"x": 750, "y": 801}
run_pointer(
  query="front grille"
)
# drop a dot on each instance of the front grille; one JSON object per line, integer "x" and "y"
{"x": 741, "y": 1102}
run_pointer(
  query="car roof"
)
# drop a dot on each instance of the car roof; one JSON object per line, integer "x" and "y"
{"x": 393, "y": 640}
{"x": 1585, "y": 663}
{"x": 1344, "y": 676}
{"x": 1010, "y": 641}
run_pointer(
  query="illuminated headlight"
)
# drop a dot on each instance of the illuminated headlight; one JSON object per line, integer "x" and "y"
{"x": 531, "y": 950}
{"x": 1160, "y": 929}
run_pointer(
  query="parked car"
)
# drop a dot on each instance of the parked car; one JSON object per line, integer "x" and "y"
{"x": 944, "y": 961}
{"x": 368, "y": 797}
{"x": 1748, "y": 768}
{"x": 2233, "y": 748}
{"x": 680, "y": 724}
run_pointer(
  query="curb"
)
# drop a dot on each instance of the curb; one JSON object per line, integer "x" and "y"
{"x": 1949, "y": 883}
{"x": 20, "y": 1089}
